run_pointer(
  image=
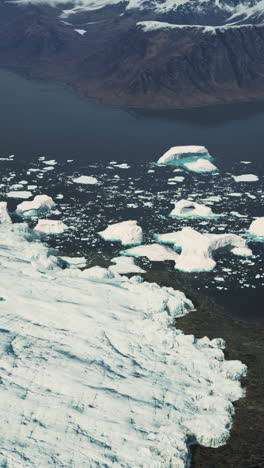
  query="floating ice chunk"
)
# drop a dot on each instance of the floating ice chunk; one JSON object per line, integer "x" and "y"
{"x": 154, "y": 252}
{"x": 246, "y": 162}
{"x": 197, "y": 249}
{"x": 24, "y": 194}
{"x": 32, "y": 187}
{"x": 38, "y": 205}
{"x": 179, "y": 152}
{"x": 125, "y": 265}
{"x": 50, "y": 226}
{"x": 79, "y": 262}
{"x": 238, "y": 215}
{"x": 187, "y": 209}
{"x": 176, "y": 179}
{"x": 85, "y": 180}
{"x": 51, "y": 162}
{"x": 256, "y": 228}
{"x": 122, "y": 166}
{"x": 245, "y": 178}
{"x": 126, "y": 232}
{"x": 201, "y": 166}
{"x": 242, "y": 251}
{"x": 81, "y": 31}
{"x": 4, "y": 216}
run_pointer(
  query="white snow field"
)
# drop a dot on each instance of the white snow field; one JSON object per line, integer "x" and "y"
{"x": 126, "y": 232}
{"x": 38, "y": 205}
{"x": 197, "y": 249}
{"x": 93, "y": 372}
{"x": 50, "y": 226}
{"x": 178, "y": 152}
{"x": 188, "y": 209}
{"x": 256, "y": 228}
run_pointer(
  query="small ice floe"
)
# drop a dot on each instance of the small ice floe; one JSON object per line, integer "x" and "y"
{"x": 126, "y": 232}
{"x": 256, "y": 228}
{"x": 51, "y": 162}
{"x": 176, "y": 179}
{"x": 122, "y": 166}
{"x": 188, "y": 209}
{"x": 197, "y": 249}
{"x": 80, "y": 31}
{"x": 181, "y": 152}
{"x": 85, "y": 180}
{"x": 201, "y": 166}
{"x": 154, "y": 252}
{"x": 50, "y": 226}
{"x": 246, "y": 162}
{"x": 32, "y": 187}
{"x": 238, "y": 215}
{"x": 245, "y": 178}
{"x": 32, "y": 208}
{"x": 4, "y": 216}
{"x": 235, "y": 194}
{"x": 78, "y": 262}
{"x": 125, "y": 265}
{"x": 242, "y": 251}
{"x": 22, "y": 194}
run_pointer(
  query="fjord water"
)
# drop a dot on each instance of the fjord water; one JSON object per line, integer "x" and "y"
{"x": 43, "y": 118}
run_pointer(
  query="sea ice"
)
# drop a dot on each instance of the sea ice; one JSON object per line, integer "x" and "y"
{"x": 187, "y": 209}
{"x": 154, "y": 252}
{"x": 197, "y": 249}
{"x": 24, "y": 194}
{"x": 94, "y": 372}
{"x": 245, "y": 178}
{"x": 256, "y": 228}
{"x": 4, "y": 216}
{"x": 38, "y": 205}
{"x": 125, "y": 265}
{"x": 126, "y": 232}
{"x": 179, "y": 152}
{"x": 85, "y": 180}
{"x": 50, "y": 226}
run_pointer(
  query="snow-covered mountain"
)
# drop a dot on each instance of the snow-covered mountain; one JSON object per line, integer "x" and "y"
{"x": 146, "y": 53}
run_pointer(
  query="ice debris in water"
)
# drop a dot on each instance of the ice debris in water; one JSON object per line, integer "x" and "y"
{"x": 154, "y": 252}
{"x": 126, "y": 232}
{"x": 245, "y": 178}
{"x": 187, "y": 209}
{"x": 24, "y": 194}
{"x": 4, "y": 215}
{"x": 96, "y": 370}
{"x": 197, "y": 249}
{"x": 179, "y": 152}
{"x": 256, "y": 228}
{"x": 85, "y": 180}
{"x": 38, "y": 205}
{"x": 50, "y": 226}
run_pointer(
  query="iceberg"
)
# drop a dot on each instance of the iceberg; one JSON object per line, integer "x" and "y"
{"x": 24, "y": 194}
{"x": 188, "y": 209}
{"x": 245, "y": 178}
{"x": 94, "y": 372}
{"x": 4, "y": 215}
{"x": 85, "y": 180}
{"x": 40, "y": 204}
{"x": 154, "y": 252}
{"x": 197, "y": 249}
{"x": 201, "y": 166}
{"x": 179, "y": 152}
{"x": 256, "y": 228}
{"x": 50, "y": 226}
{"x": 126, "y": 232}
{"x": 125, "y": 265}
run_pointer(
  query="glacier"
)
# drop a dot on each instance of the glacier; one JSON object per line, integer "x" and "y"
{"x": 93, "y": 371}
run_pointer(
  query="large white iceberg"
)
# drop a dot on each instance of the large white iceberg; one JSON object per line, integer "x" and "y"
{"x": 187, "y": 209}
{"x": 50, "y": 226}
{"x": 178, "y": 152}
{"x": 23, "y": 194}
{"x": 197, "y": 249}
{"x": 256, "y": 228}
{"x": 4, "y": 215}
{"x": 126, "y": 232}
{"x": 94, "y": 373}
{"x": 32, "y": 208}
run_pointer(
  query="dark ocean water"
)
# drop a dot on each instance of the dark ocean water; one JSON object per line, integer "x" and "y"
{"x": 42, "y": 118}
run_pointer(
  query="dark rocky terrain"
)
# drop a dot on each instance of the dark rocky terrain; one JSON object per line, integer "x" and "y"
{"x": 218, "y": 56}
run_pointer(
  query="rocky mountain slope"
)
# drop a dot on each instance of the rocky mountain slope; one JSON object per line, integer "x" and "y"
{"x": 150, "y": 53}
